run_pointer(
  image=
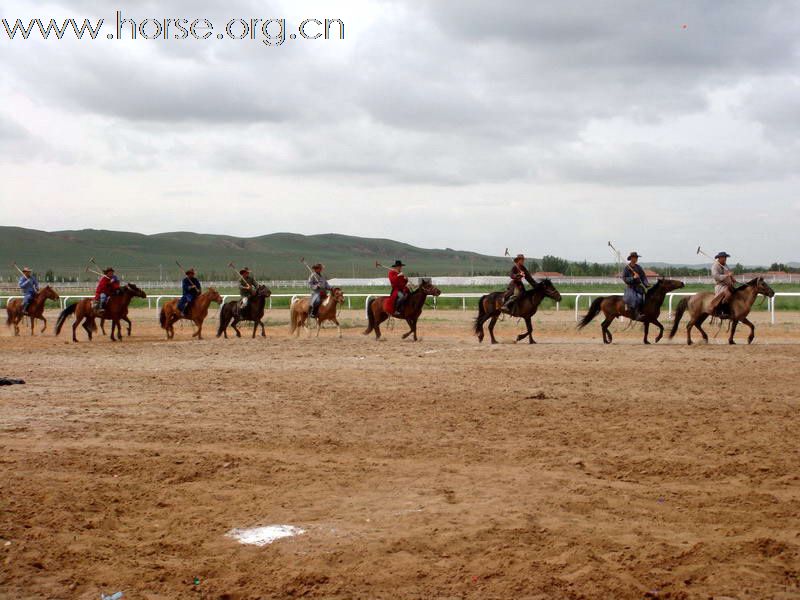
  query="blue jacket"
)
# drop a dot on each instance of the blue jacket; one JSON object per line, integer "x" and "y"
{"x": 190, "y": 292}
{"x": 28, "y": 285}
{"x": 634, "y": 294}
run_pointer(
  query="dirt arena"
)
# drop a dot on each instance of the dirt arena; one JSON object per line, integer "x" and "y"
{"x": 441, "y": 469}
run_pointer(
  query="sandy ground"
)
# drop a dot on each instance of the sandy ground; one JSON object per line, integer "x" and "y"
{"x": 441, "y": 469}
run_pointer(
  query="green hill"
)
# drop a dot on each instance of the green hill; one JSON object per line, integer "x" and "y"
{"x": 273, "y": 256}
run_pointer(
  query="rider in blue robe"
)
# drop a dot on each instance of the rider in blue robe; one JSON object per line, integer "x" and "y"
{"x": 191, "y": 289}
{"x": 636, "y": 284}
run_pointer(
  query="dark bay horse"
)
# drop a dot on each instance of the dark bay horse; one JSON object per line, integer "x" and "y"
{"x": 740, "y": 304}
{"x": 230, "y": 314}
{"x": 116, "y": 308}
{"x": 35, "y": 309}
{"x": 198, "y": 311}
{"x": 490, "y": 308}
{"x": 614, "y": 306}
{"x": 410, "y": 311}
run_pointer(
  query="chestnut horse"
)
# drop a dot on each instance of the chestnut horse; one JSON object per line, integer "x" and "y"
{"x": 35, "y": 309}
{"x": 614, "y": 306}
{"x": 116, "y": 308}
{"x": 490, "y": 307}
{"x": 298, "y": 312}
{"x": 230, "y": 313}
{"x": 410, "y": 311}
{"x": 198, "y": 311}
{"x": 740, "y": 304}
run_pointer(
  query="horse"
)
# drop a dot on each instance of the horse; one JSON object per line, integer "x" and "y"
{"x": 35, "y": 309}
{"x": 198, "y": 311}
{"x": 230, "y": 314}
{"x": 490, "y": 307}
{"x": 740, "y": 304}
{"x": 298, "y": 312}
{"x": 116, "y": 308}
{"x": 614, "y": 306}
{"x": 410, "y": 311}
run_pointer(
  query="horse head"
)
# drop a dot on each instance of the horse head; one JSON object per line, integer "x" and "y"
{"x": 263, "y": 291}
{"x": 49, "y": 293}
{"x": 338, "y": 295}
{"x": 213, "y": 295}
{"x": 134, "y": 290}
{"x": 762, "y": 287}
{"x": 428, "y": 288}
{"x": 670, "y": 284}
{"x": 549, "y": 289}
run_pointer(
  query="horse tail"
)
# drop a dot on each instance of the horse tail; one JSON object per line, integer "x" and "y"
{"x": 682, "y": 306}
{"x": 370, "y": 317}
{"x": 224, "y": 319}
{"x": 63, "y": 316}
{"x": 476, "y": 325}
{"x": 594, "y": 310}
{"x": 162, "y": 317}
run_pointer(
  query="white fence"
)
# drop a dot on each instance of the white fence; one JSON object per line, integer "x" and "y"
{"x": 155, "y": 301}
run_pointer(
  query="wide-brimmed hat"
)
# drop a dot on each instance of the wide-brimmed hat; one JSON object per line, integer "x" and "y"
{"x": 519, "y": 257}
{"x": 632, "y": 254}
{"x": 26, "y": 270}
{"x": 722, "y": 254}
{"x": 398, "y": 263}
{"x": 318, "y": 266}
{"x": 243, "y": 270}
{"x": 108, "y": 270}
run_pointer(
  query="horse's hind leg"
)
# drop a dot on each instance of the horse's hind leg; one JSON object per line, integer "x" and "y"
{"x": 660, "y": 330}
{"x": 646, "y": 331}
{"x": 698, "y": 323}
{"x": 236, "y": 329}
{"x": 410, "y": 330}
{"x": 752, "y": 327}
{"x": 607, "y": 337}
{"x": 492, "y": 323}
{"x": 75, "y": 329}
{"x": 734, "y": 323}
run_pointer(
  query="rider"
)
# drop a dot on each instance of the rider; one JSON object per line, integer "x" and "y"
{"x": 634, "y": 277}
{"x": 107, "y": 285}
{"x": 191, "y": 290}
{"x": 516, "y": 287}
{"x": 399, "y": 283}
{"x": 319, "y": 285}
{"x": 247, "y": 287}
{"x": 29, "y": 287}
{"x": 723, "y": 277}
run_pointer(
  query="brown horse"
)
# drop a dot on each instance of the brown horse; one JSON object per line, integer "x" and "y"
{"x": 740, "y": 304}
{"x": 490, "y": 307}
{"x": 116, "y": 308}
{"x": 614, "y": 306}
{"x": 410, "y": 311}
{"x": 198, "y": 311}
{"x": 35, "y": 309}
{"x": 298, "y": 312}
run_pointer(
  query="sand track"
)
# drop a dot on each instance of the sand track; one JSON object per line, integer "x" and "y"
{"x": 442, "y": 469}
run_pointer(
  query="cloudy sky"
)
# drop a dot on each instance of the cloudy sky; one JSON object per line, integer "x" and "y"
{"x": 548, "y": 128}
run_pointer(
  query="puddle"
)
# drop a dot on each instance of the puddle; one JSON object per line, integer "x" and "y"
{"x": 261, "y": 536}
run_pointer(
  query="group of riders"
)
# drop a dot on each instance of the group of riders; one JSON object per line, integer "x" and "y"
{"x": 633, "y": 275}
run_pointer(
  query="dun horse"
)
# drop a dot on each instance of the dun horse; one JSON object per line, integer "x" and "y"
{"x": 198, "y": 311}
{"x": 116, "y": 308}
{"x": 740, "y": 304}
{"x": 410, "y": 311}
{"x": 614, "y": 306}
{"x": 35, "y": 309}
{"x": 298, "y": 312}
{"x": 490, "y": 309}
{"x": 254, "y": 311}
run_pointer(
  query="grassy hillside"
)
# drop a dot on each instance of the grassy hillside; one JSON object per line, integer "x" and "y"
{"x": 274, "y": 256}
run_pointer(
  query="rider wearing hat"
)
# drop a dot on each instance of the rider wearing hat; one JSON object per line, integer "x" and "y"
{"x": 107, "y": 286}
{"x": 516, "y": 287}
{"x": 29, "y": 287}
{"x": 247, "y": 286}
{"x": 319, "y": 286}
{"x": 399, "y": 283}
{"x": 191, "y": 289}
{"x": 636, "y": 281}
{"x": 723, "y": 277}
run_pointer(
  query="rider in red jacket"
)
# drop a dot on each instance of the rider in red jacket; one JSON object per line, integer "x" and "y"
{"x": 107, "y": 286}
{"x": 399, "y": 283}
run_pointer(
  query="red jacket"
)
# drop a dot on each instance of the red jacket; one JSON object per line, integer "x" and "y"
{"x": 399, "y": 283}
{"x": 107, "y": 286}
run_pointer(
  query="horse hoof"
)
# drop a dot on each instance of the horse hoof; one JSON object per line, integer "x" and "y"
{"x": 646, "y": 342}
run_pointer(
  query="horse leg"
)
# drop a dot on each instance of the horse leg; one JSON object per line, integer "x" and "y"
{"x": 646, "y": 331}
{"x": 113, "y": 325}
{"x": 103, "y": 326}
{"x": 660, "y": 330}
{"x": 263, "y": 333}
{"x": 128, "y": 321}
{"x": 492, "y": 323}
{"x": 44, "y": 327}
{"x": 698, "y": 323}
{"x": 255, "y": 328}
{"x": 607, "y": 337}
{"x": 752, "y": 327}
{"x": 199, "y": 333}
{"x": 410, "y": 329}
{"x": 378, "y": 320}
{"x": 529, "y": 325}
{"x": 32, "y": 319}
{"x": 236, "y": 329}
{"x": 338, "y": 327}
{"x": 734, "y": 323}
{"x": 75, "y": 329}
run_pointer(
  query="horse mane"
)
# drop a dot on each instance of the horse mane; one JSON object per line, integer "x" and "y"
{"x": 653, "y": 288}
{"x": 752, "y": 283}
